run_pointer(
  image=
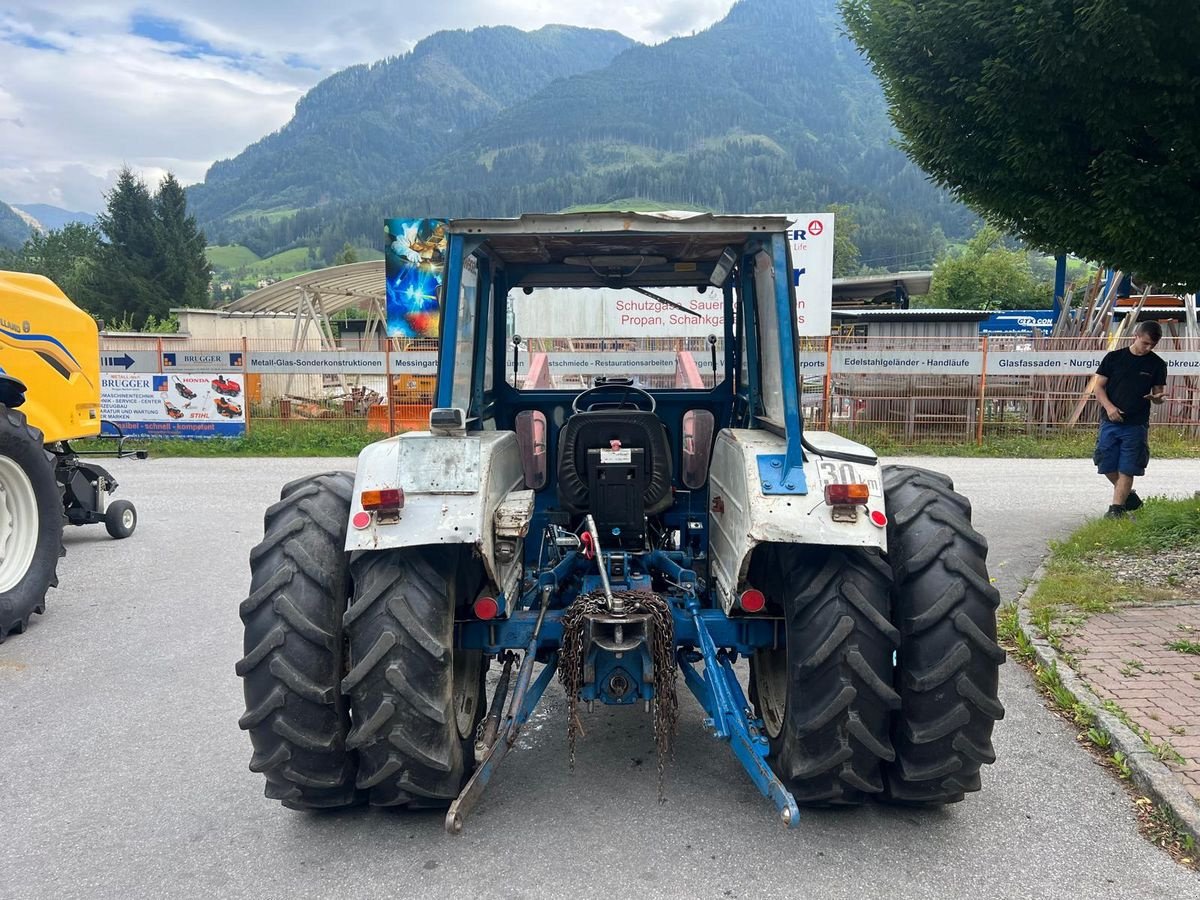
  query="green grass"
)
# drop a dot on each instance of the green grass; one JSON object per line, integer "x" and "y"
{"x": 1074, "y": 583}
{"x": 294, "y": 260}
{"x": 1165, "y": 443}
{"x": 264, "y": 439}
{"x": 1192, "y": 647}
{"x": 230, "y": 256}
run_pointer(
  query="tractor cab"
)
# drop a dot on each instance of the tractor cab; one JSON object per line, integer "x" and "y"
{"x": 616, "y": 347}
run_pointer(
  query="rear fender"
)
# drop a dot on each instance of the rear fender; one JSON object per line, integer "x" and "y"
{"x": 452, "y": 487}
{"x": 741, "y": 516}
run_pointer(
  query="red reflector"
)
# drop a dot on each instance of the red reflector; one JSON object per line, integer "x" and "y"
{"x": 361, "y": 520}
{"x": 752, "y": 601}
{"x": 389, "y": 499}
{"x": 486, "y": 608}
{"x": 846, "y": 494}
{"x": 878, "y": 519}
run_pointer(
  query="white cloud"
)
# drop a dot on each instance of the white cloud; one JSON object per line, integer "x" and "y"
{"x": 199, "y": 82}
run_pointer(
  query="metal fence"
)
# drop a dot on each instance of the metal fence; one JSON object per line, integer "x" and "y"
{"x": 913, "y": 390}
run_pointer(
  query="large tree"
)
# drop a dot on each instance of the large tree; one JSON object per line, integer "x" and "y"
{"x": 185, "y": 271}
{"x": 1074, "y": 124}
{"x": 124, "y": 279}
{"x": 152, "y": 255}
{"x": 987, "y": 275}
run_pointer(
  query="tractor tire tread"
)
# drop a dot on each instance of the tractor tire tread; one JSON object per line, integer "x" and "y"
{"x": 840, "y": 638}
{"x": 400, "y": 628}
{"x": 28, "y": 596}
{"x": 293, "y": 649}
{"x": 948, "y": 665}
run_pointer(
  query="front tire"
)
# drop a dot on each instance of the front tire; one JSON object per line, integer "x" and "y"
{"x": 415, "y": 699}
{"x": 826, "y": 696}
{"x": 31, "y": 522}
{"x": 299, "y": 582}
{"x": 120, "y": 519}
{"x": 948, "y": 671}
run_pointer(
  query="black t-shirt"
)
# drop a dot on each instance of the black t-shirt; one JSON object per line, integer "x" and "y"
{"x": 1130, "y": 379}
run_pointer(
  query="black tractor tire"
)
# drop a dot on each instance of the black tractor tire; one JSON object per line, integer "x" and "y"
{"x": 32, "y": 501}
{"x": 415, "y": 699}
{"x": 120, "y": 519}
{"x": 299, "y": 582}
{"x": 948, "y": 665}
{"x": 826, "y": 696}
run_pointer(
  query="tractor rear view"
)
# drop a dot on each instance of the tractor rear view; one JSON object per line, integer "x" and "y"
{"x": 49, "y": 395}
{"x": 613, "y": 534}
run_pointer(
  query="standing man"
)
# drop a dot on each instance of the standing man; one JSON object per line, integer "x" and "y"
{"x": 1127, "y": 382}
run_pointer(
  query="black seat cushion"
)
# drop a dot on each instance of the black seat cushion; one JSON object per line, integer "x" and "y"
{"x": 598, "y": 429}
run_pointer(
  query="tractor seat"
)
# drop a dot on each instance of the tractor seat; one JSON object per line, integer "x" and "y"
{"x": 596, "y": 430}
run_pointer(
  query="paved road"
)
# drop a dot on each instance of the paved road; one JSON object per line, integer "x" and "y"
{"x": 123, "y": 773}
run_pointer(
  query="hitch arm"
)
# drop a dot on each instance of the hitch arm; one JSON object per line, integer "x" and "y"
{"x": 730, "y": 717}
{"x": 525, "y": 697}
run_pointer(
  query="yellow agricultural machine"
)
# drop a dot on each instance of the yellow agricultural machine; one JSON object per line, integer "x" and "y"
{"x": 49, "y": 395}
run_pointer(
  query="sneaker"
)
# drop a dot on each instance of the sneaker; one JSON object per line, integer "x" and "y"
{"x": 1132, "y": 502}
{"x": 1115, "y": 512}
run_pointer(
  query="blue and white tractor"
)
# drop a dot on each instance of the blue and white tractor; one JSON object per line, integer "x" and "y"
{"x": 617, "y": 533}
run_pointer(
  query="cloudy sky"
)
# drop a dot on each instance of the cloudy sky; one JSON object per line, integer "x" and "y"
{"x": 165, "y": 85}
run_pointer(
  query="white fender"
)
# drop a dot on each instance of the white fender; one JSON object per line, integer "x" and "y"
{"x": 452, "y": 487}
{"x": 741, "y": 516}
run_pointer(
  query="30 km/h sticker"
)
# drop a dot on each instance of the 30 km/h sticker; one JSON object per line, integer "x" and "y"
{"x": 846, "y": 473}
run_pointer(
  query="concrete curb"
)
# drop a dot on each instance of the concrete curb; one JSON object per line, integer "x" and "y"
{"x": 1153, "y": 778}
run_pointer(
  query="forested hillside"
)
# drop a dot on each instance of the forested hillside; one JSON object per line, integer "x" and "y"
{"x": 13, "y": 229}
{"x": 771, "y": 109}
{"x": 372, "y": 129}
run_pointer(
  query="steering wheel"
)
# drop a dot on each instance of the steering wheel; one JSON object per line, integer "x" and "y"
{"x": 631, "y": 397}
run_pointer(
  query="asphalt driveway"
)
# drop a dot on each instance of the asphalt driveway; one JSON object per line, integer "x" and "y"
{"x": 123, "y": 772}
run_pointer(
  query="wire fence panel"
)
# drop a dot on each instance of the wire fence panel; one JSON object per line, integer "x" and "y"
{"x": 914, "y": 390}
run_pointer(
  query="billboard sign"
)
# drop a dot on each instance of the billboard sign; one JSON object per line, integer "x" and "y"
{"x": 414, "y": 263}
{"x": 174, "y": 405}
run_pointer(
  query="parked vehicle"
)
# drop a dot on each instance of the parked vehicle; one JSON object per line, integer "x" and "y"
{"x": 615, "y": 536}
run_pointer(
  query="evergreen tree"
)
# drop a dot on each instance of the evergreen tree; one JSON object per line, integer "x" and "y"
{"x": 124, "y": 279}
{"x": 347, "y": 256}
{"x": 184, "y": 269}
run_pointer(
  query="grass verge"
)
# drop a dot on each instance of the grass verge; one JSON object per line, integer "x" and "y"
{"x": 264, "y": 439}
{"x": 1165, "y": 443}
{"x": 1074, "y": 585}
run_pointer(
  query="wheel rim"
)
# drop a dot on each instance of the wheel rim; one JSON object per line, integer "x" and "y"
{"x": 127, "y": 520}
{"x": 466, "y": 691}
{"x": 770, "y": 684}
{"x": 19, "y": 524}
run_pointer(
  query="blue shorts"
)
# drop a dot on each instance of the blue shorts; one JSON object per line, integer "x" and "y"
{"x": 1122, "y": 448}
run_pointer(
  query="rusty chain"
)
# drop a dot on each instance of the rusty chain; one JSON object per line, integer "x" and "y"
{"x": 662, "y": 653}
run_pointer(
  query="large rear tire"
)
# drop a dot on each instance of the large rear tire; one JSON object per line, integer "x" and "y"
{"x": 299, "y": 582}
{"x": 415, "y": 699}
{"x": 948, "y": 664}
{"x": 826, "y": 696}
{"x": 31, "y": 522}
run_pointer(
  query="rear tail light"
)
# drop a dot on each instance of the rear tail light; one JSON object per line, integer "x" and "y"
{"x": 752, "y": 601}
{"x": 846, "y": 494}
{"x": 383, "y": 500}
{"x": 486, "y": 608}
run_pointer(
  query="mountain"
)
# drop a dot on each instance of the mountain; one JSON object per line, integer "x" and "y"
{"x": 14, "y": 230}
{"x": 369, "y": 128}
{"x": 52, "y": 218}
{"x": 770, "y": 109}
